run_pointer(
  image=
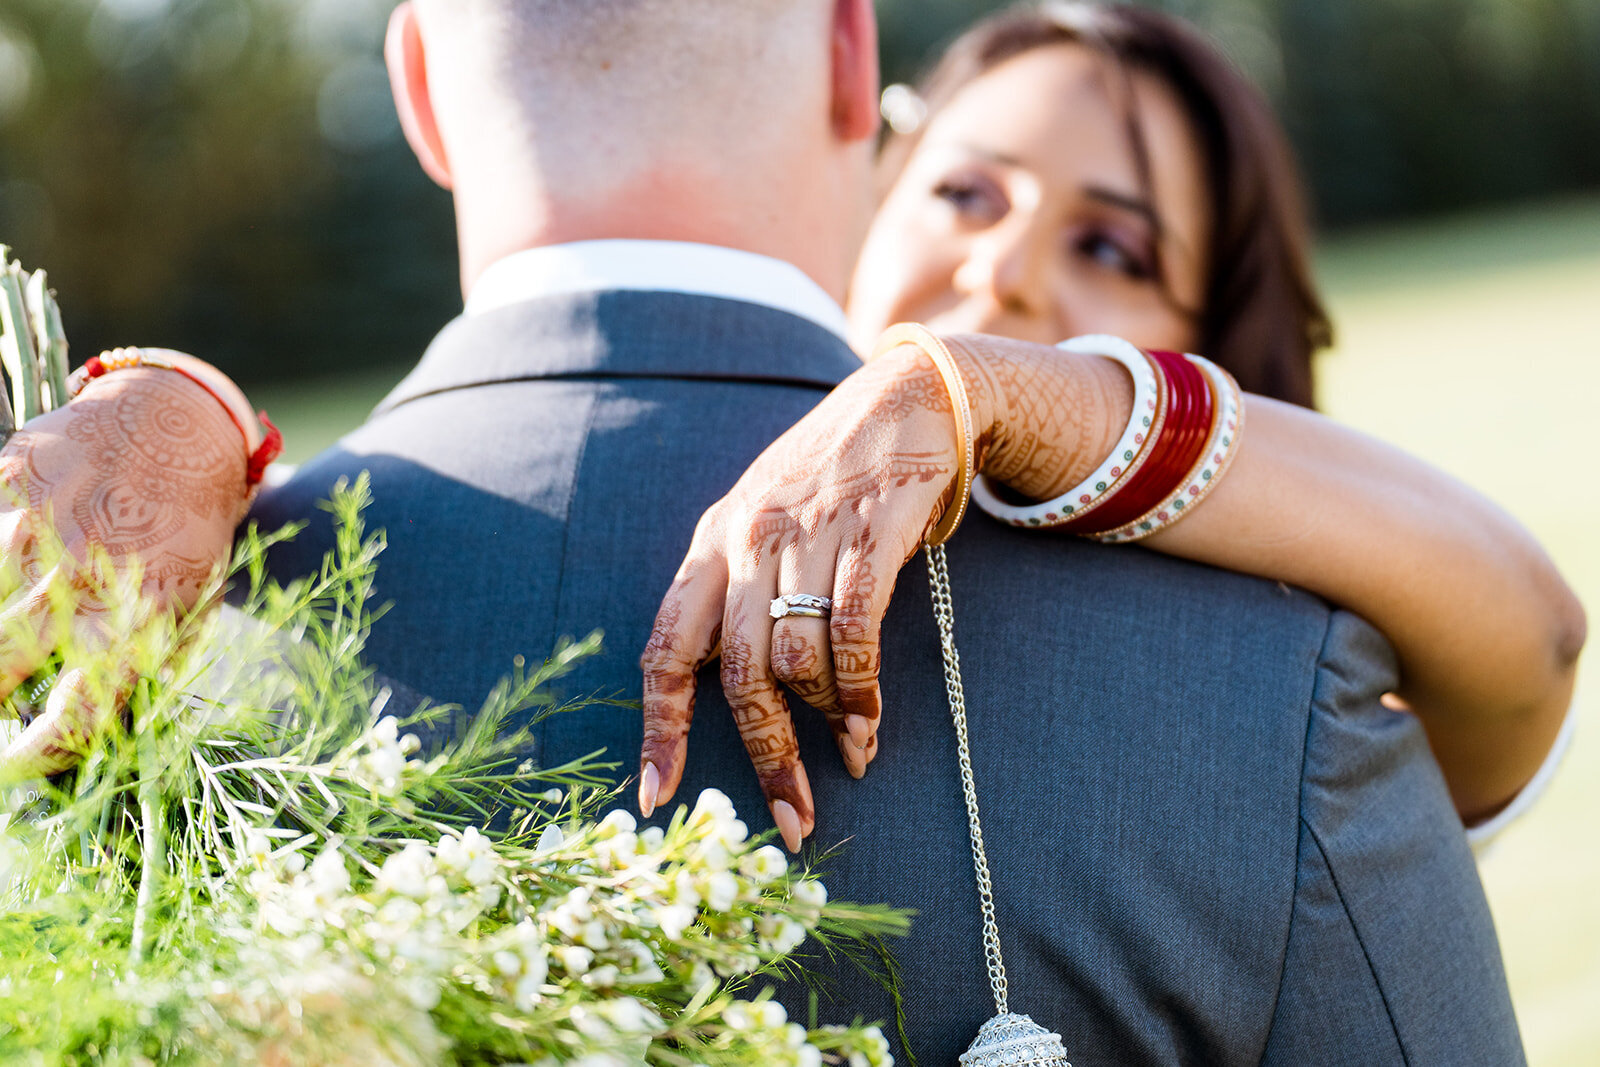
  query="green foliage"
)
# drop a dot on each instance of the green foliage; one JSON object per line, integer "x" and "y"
{"x": 225, "y": 176}
{"x": 266, "y": 866}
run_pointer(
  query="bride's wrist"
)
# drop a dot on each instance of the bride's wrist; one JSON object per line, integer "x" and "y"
{"x": 1051, "y": 416}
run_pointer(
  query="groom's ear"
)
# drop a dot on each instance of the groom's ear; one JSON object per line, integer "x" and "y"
{"x": 407, "y": 60}
{"x": 854, "y": 50}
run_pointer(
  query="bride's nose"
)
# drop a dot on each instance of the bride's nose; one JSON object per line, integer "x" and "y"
{"x": 1008, "y": 266}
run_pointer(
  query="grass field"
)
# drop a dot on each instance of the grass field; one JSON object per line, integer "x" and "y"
{"x": 1474, "y": 343}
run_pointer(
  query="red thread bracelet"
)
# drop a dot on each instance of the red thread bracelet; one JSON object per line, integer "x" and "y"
{"x": 271, "y": 446}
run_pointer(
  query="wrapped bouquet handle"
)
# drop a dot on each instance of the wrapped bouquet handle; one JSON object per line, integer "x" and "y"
{"x": 1008, "y": 1038}
{"x": 33, "y": 347}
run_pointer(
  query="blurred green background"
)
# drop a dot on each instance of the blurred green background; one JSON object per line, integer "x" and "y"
{"x": 227, "y": 177}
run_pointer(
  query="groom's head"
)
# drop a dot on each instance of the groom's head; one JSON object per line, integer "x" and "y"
{"x": 739, "y": 122}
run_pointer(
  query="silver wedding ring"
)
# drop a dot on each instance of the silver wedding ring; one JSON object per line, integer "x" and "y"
{"x": 805, "y": 605}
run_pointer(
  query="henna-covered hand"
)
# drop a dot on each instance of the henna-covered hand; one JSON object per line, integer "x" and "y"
{"x": 835, "y": 507}
{"x": 144, "y": 466}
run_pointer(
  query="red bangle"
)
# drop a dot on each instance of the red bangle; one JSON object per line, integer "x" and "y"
{"x": 271, "y": 446}
{"x": 1183, "y": 438}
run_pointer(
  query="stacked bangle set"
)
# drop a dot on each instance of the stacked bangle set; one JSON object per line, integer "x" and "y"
{"x": 1179, "y": 441}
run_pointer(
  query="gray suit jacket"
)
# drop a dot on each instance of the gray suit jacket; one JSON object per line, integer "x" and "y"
{"x": 1210, "y": 843}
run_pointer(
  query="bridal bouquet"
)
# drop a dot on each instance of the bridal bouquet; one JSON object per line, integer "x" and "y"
{"x": 266, "y": 863}
{"x": 283, "y": 876}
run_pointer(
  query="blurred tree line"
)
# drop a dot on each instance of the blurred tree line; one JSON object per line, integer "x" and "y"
{"x": 227, "y": 176}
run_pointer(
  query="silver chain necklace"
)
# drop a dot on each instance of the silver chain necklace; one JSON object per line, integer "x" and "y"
{"x": 1008, "y": 1038}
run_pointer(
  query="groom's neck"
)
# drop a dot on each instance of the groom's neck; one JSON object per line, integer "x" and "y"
{"x": 809, "y": 213}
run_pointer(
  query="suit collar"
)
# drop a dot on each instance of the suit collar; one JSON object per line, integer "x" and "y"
{"x": 628, "y": 334}
{"x": 654, "y": 266}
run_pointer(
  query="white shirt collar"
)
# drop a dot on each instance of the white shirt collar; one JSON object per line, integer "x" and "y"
{"x": 660, "y": 266}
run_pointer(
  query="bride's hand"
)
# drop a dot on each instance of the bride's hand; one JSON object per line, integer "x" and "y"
{"x": 144, "y": 464}
{"x": 833, "y": 508}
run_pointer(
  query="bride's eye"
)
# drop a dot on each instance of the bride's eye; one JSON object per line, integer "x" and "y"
{"x": 972, "y": 199}
{"x": 1115, "y": 254}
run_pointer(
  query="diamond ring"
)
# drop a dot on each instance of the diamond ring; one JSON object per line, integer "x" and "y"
{"x": 805, "y": 605}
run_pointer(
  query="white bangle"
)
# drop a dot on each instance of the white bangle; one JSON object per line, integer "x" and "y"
{"x": 1223, "y": 443}
{"x": 1123, "y": 460}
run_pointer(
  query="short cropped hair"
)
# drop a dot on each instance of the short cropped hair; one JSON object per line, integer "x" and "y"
{"x": 658, "y": 51}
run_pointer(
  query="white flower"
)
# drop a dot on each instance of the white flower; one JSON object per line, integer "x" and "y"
{"x": 616, "y": 822}
{"x": 711, "y": 806}
{"x": 286, "y": 921}
{"x": 470, "y": 856}
{"x": 651, "y": 838}
{"x": 743, "y": 963}
{"x": 570, "y": 916}
{"x": 574, "y": 959}
{"x": 809, "y": 897}
{"x": 712, "y": 854}
{"x": 524, "y": 958}
{"x": 765, "y": 864}
{"x": 674, "y": 919}
{"x": 257, "y": 849}
{"x": 629, "y": 1016}
{"x": 551, "y": 839}
{"x": 721, "y": 891}
{"x": 602, "y": 977}
{"x": 408, "y": 872}
{"x": 616, "y": 851}
{"x": 596, "y": 935}
{"x": 780, "y": 935}
{"x": 327, "y": 879}
{"x": 769, "y": 1014}
{"x": 383, "y": 765}
{"x": 875, "y": 1049}
{"x": 808, "y": 1056}
{"x": 684, "y": 892}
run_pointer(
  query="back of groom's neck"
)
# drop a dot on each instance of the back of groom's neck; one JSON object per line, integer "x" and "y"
{"x": 495, "y": 223}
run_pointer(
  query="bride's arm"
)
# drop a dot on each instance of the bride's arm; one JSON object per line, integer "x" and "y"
{"x": 1486, "y": 632}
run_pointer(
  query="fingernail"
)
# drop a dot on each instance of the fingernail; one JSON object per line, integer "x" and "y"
{"x": 860, "y": 728}
{"x": 855, "y": 759}
{"x": 649, "y": 787}
{"x": 788, "y": 821}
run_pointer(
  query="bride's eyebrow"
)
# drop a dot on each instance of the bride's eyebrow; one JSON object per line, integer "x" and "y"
{"x": 1136, "y": 205}
{"x": 988, "y": 155}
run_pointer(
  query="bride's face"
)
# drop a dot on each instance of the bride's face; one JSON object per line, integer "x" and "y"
{"x": 1022, "y": 213}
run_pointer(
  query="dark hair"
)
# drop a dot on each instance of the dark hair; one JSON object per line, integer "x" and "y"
{"x": 1262, "y": 318}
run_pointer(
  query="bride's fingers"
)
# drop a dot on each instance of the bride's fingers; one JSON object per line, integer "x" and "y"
{"x": 802, "y": 657}
{"x": 684, "y": 637}
{"x": 28, "y": 632}
{"x": 862, "y": 586}
{"x": 760, "y": 712}
{"x": 76, "y": 713}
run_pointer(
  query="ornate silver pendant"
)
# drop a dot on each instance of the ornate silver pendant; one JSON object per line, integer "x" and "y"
{"x": 1015, "y": 1041}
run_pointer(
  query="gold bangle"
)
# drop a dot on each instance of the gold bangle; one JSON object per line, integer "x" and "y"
{"x": 911, "y": 333}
